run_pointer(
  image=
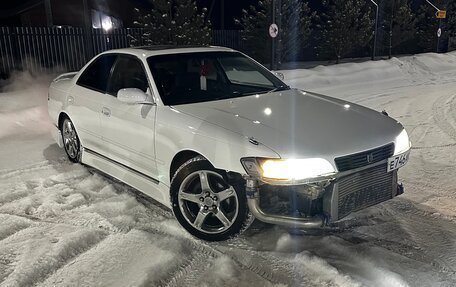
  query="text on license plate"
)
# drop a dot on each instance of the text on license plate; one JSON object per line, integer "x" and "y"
{"x": 398, "y": 161}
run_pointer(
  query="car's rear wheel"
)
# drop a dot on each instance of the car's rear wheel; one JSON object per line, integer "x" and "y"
{"x": 205, "y": 204}
{"x": 71, "y": 142}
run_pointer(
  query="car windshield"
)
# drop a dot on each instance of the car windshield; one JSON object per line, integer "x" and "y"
{"x": 207, "y": 76}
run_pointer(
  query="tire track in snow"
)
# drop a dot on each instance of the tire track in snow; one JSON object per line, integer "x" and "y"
{"x": 187, "y": 274}
{"x": 272, "y": 268}
{"x": 453, "y": 109}
{"x": 68, "y": 260}
{"x": 432, "y": 241}
{"x": 12, "y": 225}
{"x": 5, "y": 173}
{"x": 46, "y": 263}
{"x": 434, "y": 146}
{"x": 12, "y": 197}
{"x": 441, "y": 111}
{"x": 423, "y": 235}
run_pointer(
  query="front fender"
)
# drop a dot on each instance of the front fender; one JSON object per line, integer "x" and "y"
{"x": 177, "y": 132}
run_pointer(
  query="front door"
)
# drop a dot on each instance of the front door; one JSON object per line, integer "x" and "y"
{"x": 128, "y": 129}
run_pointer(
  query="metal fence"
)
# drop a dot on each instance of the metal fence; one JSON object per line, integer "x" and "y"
{"x": 37, "y": 48}
{"x": 68, "y": 48}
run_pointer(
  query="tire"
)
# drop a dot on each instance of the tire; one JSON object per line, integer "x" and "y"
{"x": 71, "y": 142}
{"x": 216, "y": 212}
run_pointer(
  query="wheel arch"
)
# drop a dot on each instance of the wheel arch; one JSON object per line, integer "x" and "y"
{"x": 180, "y": 158}
{"x": 62, "y": 116}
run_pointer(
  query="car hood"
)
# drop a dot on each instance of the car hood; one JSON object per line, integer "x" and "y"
{"x": 298, "y": 124}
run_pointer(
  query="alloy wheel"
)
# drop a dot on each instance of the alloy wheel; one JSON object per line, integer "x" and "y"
{"x": 70, "y": 140}
{"x": 207, "y": 202}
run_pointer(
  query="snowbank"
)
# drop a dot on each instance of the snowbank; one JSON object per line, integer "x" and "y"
{"x": 408, "y": 68}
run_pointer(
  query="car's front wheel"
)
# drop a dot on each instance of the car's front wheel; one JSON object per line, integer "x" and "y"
{"x": 205, "y": 204}
{"x": 71, "y": 142}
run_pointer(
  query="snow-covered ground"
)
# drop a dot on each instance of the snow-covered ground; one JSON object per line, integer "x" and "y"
{"x": 64, "y": 224}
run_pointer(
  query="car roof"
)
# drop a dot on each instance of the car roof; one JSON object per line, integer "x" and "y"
{"x": 147, "y": 51}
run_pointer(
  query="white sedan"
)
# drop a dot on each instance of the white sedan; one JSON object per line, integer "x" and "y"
{"x": 216, "y": 137}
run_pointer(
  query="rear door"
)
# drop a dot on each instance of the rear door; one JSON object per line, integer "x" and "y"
{"x": 85, "y": 101}
{"x": 128, "y": 129}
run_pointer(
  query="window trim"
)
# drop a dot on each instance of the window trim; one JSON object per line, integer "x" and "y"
{"x": 115, "y": 64}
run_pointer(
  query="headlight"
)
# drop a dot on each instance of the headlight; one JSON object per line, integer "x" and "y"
{"x": 288, "y": 169}
{"x": 402, "y": 143}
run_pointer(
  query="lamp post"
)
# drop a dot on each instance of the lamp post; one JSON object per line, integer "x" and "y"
{"x": 391, "y": 31}
{"x": 273, "y": 38}
{"x": 376, "y": 28}
{"x": 439, "y": 32}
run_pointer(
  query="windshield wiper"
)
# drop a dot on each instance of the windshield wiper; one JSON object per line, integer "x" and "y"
{"x": 248, "y": 93}
{"x": 279, "y": 88}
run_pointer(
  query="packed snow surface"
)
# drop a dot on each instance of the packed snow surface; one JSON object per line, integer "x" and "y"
{"x": 64, "y": 224}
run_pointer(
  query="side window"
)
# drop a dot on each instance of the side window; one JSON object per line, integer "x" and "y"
{"x": 96, "y": 75}
{"x": 128, "y": 73}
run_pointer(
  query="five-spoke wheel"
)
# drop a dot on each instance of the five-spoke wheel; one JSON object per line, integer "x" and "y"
{"x": 71, "y": 141}
{"x": 205, "y": 203}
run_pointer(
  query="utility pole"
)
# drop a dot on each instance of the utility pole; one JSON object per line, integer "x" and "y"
{"x": 439, "y": 31}
{"x": 273, "y": 39}
{"x": 390, "y": 54}
{"x": 375, "y": 32}
{"x": 439, "y": 34}
{"x": 279, "y": 23}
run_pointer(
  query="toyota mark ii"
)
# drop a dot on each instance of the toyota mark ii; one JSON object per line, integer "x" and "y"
{"x": 219, "y": 139}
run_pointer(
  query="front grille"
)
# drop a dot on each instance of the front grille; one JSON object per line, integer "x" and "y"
{"x": 361, "y": 159}
{"x": 364, "y": 189}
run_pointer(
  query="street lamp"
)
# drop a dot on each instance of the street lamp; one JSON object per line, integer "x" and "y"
{"x": 376, "y": 28}
{"x": 106, "y": 23}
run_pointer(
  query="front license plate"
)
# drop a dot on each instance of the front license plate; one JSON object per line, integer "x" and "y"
{"x": 398, "y": 161}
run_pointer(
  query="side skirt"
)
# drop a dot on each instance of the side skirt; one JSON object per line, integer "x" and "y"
{"x": 147, "y": 185}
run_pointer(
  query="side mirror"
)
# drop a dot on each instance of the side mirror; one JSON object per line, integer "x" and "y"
{"x": 131, "y": 96}
{"x": 279, "y": 75}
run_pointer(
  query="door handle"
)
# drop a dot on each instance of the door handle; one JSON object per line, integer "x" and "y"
{"x": 105, "y": 111}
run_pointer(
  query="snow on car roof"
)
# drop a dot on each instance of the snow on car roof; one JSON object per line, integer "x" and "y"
{"x": 167, "y": 47}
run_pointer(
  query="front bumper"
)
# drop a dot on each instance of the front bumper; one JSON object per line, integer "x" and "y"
{"x": 347, "y": 192}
